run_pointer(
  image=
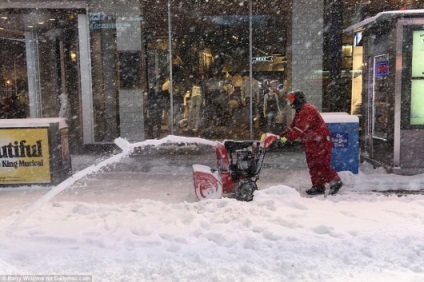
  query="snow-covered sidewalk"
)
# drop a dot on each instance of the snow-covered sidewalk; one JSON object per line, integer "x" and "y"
{"x": 117, "y": 225}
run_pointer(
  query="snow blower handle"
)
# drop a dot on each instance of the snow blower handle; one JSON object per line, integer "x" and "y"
{"x": 267, "y": 139}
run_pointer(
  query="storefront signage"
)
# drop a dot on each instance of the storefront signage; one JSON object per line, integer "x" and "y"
{"x": 109, "y": 25}
{"x": 99, "y": 16}
{"x": 267, "y": 59}
{"x": 100, "y": 20}
{"x": 340, "y": 140}
{"x": 24, "y": 155}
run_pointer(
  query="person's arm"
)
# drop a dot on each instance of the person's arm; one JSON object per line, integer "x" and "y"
{"x": 299, "y": 125}
{"x": 305, "y": 123}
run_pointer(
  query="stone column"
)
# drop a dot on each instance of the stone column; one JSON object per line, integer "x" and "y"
{"x": 335, "y": 97}
{"x": 129, "y": 46}
{"x": 305, "y": 51}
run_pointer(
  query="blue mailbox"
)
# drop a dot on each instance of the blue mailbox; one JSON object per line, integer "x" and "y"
{"x": 344, "y": 129}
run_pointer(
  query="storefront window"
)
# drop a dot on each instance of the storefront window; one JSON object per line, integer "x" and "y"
{"x": 210, "y": 46}
{"x": 108, "y": 56}
{"x": 104, "y": 75}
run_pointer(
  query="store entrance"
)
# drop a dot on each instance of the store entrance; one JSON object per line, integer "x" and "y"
{"x": 38, "y": 64}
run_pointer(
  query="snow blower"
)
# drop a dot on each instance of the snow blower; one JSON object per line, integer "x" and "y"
{"x": 238, "y": 166}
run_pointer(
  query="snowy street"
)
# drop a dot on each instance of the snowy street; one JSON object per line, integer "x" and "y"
{"x": 133, "y": 216}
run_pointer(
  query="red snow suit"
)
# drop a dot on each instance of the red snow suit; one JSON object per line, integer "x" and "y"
{"x": 309, "y": 126}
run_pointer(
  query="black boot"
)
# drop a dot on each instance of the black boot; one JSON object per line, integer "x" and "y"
{"x": 316, "y": 190}
{"x": 335, "y": 187}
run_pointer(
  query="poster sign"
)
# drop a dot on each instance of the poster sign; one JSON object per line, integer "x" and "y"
{"x": 381, "y": 103}
{"x": 24, "y": 155}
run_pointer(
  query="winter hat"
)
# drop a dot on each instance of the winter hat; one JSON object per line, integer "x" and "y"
{"x": 296, "y": 99}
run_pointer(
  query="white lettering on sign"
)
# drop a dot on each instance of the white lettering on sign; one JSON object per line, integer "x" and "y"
{"x": 98, "y": 16}
{"x": 267, "y": 59}
{"x": 110, "y": 25}
{"x": 340, "y": 140}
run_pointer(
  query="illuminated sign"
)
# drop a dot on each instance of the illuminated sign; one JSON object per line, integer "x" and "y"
{"x": 417, "y": 79}
{"x": 418, "y": 53}
{"x": 24, "y": 155}
{"x": 417, "y": 102}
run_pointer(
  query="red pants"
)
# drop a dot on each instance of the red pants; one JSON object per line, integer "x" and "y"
{"x": 318, "y": 158}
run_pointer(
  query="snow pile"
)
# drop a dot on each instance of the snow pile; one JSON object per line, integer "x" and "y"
{"x": 279, "y": 236}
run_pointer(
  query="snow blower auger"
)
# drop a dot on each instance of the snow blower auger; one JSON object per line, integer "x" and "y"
{"x": 238, "y": 166}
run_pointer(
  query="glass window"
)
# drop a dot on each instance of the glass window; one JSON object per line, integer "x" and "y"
{"x": 104, "y": 75}
{"x": 210, "y": 47}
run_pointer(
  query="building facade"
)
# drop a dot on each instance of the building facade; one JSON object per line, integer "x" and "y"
{"x": 95, "y": 63}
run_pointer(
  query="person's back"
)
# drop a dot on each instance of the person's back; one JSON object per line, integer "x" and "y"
{"x": 309, "y": 120}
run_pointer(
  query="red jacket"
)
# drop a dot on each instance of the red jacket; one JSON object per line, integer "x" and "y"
{"x": 307, "y": 125}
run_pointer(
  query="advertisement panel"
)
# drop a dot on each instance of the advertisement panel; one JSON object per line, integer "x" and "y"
{"x": 381, "y": 104}
{"x": 24, "y": 155}
{"x": 418, "y": 53}
{"x": 417, "y": 80}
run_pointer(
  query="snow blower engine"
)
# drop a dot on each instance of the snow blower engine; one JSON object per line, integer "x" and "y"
{"x": 238, "y": 166}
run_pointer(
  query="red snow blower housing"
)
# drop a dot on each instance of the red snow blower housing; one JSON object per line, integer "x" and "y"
{"x": 238, "y": 166}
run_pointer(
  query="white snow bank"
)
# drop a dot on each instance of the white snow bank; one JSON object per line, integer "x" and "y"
{"x": 278, "y": 236}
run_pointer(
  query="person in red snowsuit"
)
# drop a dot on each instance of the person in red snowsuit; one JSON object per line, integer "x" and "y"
{"x": 309, "y": 126}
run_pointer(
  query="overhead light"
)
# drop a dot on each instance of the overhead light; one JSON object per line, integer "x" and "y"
{"x": 52, "y": 19}
{"x": 4, "y": 17}
{"x": 73, "y": 56}
{"x": 30, "y": 26}
{"x": 40, "y": 22}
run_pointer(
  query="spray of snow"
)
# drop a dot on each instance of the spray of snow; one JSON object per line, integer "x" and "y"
{"x": 126, "y": 148}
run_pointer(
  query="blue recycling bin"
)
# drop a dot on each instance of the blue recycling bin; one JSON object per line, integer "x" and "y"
{"x": 344, "y": 129}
